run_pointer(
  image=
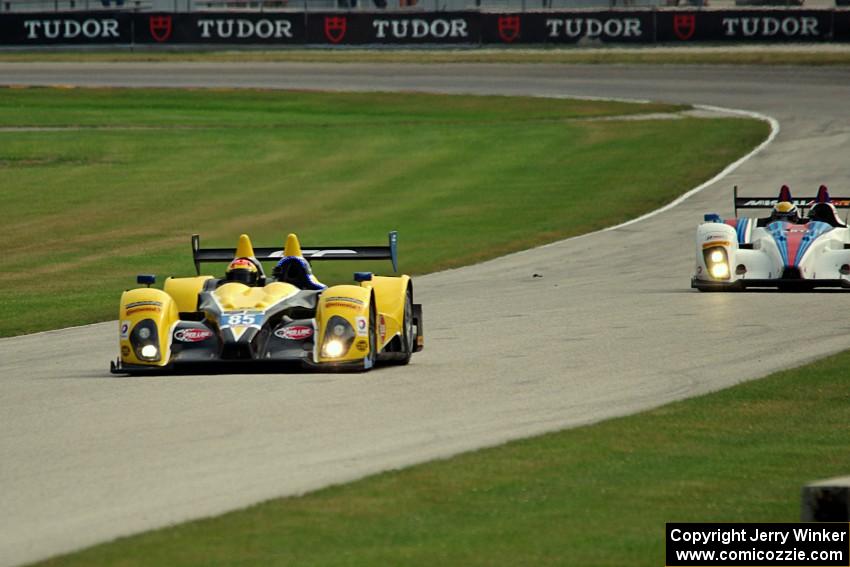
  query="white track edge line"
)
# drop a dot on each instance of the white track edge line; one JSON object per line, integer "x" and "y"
{"x": 774, "y": 131}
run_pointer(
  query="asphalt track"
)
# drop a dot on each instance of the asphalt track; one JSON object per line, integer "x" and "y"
{"x": 611, "y": 328}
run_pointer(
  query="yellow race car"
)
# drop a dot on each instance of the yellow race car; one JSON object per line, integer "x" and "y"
{"x": 247, "y": 317}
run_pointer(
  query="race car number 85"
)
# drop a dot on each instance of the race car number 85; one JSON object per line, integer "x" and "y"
{"x": 239, "y": 319}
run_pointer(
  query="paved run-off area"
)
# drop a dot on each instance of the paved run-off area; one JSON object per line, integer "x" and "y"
{"x": 610, "y": 328}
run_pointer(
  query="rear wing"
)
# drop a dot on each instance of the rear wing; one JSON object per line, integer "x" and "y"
{"x": 769, "y": 202}
{"x": 389, "y": 252}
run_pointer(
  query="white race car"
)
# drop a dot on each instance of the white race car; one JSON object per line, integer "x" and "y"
{"x": 787, "y": 250}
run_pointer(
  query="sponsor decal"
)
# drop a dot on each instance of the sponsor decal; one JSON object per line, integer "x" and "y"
{"x": 382, "y": 329}
{"x": 295, "y": 333}
{"x": 404, "y": 28}
{"x": 125, "y": 329}
{"x": 769, "y": 26}
{"x": 684, "y": 26}
{"x": 89, "y": 28}
{"x": 192, "y": 335}
{"x": 594, "y": 28}
{"x": 349, "y": 299}
{"x": 362, "y": 326}
{"x": 141, "y": 303}
{"x": 125, "y": 350}
{"x": 714, "y": 237}
{"x": 151, "y": 309}
{"x": 335, "y": 28}
{"x": 509, "y": 27}
{"x": 342, "y": 304}
{"x": 241, "y": 28}
{"x": 160, "y": 27}
{"x": 307, "y": 253}
{"x": 362, "y": 345}
{"x": 767, "y": 203}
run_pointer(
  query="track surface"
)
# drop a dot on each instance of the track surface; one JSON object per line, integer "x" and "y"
{"x": 612, "y": 328}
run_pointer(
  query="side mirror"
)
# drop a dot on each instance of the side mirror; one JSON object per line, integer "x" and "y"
{"x": 146, "y": 279}
{"x": 362, "y": 276}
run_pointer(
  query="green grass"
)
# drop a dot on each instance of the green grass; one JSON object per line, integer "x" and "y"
{"x": 715, "y": 55}
{"x": 130, "y": 174}
{"x": 593, "y": 496}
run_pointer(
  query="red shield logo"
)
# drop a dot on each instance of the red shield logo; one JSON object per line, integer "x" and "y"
{"x": 684, "y": 26}
{"x": 160, "y": 27}
{"x": 509, "y": 27}
{"x": 335, "y": 27}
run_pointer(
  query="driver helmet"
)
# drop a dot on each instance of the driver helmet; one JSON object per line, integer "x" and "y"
{"x": 242, "y": 270}
{"x": 785, "y": 211}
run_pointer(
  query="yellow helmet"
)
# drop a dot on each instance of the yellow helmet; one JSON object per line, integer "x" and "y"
{"x": 785, "y": 210}
{"x": 242, "y": 270}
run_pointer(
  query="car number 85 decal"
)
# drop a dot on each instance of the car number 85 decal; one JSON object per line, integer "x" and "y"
{"x": 242, "y": 319}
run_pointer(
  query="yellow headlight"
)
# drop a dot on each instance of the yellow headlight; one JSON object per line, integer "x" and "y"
{"x": 716, "y": 256}
{"x": 720, "y": 270}
{"x": 149, "y": 351}
{"x": 333, "y": 348}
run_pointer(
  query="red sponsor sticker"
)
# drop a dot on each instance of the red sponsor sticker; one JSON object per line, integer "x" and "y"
{"x": 295, "y": 333}
{"x": 192, "y": 335}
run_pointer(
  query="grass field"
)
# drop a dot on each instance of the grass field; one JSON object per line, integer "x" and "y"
{"x": 593, "y": 496}
{"x": 821, "y": 55}
{"x": 99, "y": 185}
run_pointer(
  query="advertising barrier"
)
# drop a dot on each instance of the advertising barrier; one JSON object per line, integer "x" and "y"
{"x": 424, "y": 28}
{"x": 394, "y": 29}
{"x": 217, "y": 28}
{"x": 570, "y": 27}
{"x": 745, "y": 25}
{"x": 57, "y": 28}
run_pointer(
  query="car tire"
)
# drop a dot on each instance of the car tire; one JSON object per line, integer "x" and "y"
{"x": 369, "y": 360}
{"x": 408, "y": 336}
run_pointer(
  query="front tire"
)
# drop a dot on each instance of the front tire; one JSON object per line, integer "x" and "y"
{"x": 369, "y": 360}
{"x": 408, "y": 334}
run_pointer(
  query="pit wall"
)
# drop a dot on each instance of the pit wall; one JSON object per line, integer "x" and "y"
{"x": 438, "y": 28}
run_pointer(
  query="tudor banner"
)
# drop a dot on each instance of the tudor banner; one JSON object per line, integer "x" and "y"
{"x": 381, "y": 28}
{"x": 57, "y": 28}
{"x": 218, "y": 28}
{"x": 586, "y": 27}
{"x": 570, "y": 27}
{"x": 744, "y": 25}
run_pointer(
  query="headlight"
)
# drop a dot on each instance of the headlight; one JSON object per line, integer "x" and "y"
{"x": 334, "y": 348}
{"x": 145, "y": 341}
{"x": 717, "y": 263}
{"x": 720, "y": 271}
{"x": 339, "y": 335}
{"x": 149, "y": 351}
{"x": 717, "y": 256}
